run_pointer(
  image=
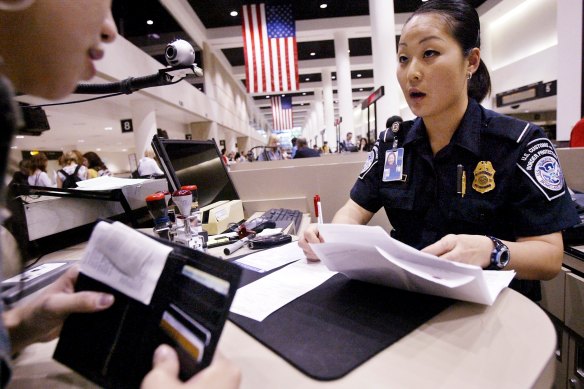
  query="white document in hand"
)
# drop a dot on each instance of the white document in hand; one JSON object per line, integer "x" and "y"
{"x": 369, "y": 254}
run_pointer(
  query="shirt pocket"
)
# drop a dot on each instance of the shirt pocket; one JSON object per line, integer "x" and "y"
{"x": 471, "y": 215}
{"x": 395, "y": 195}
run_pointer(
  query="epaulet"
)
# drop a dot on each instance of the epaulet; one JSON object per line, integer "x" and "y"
{"x": 510, "y": 128}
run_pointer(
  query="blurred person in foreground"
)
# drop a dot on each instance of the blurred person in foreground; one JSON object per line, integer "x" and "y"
{"x": 46, "y": 48}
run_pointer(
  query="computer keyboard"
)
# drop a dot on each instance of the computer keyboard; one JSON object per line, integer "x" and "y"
{"x": 283, "y": 217}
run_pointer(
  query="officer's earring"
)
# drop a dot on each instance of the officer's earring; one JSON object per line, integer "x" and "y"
{"x": 469, "y": 76}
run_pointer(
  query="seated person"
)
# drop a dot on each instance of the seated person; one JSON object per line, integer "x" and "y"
{"x": 304, "y": 151}
{"x": 514, "y": 203}
{"x": 147, "y": 166}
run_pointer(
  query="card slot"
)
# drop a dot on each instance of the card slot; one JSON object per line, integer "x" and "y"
{"x": 196, "y": 326}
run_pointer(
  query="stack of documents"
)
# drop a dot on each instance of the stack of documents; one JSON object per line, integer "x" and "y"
{"x": 369, "y": 254}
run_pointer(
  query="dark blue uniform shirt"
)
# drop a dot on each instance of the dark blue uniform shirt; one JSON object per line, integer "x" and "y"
{"x": 514, "y": 183}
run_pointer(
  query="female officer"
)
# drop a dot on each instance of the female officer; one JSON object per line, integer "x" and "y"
{"x": 46, "y": 47}
{"x": 476, "y": 187}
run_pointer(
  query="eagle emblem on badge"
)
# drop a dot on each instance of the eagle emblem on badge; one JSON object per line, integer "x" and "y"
{"x": 484, "y": 177}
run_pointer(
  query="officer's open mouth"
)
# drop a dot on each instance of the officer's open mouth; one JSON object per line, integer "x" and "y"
{"x": 417, "y": 95}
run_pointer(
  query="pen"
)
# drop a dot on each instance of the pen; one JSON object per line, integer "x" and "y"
{"x": 237, "y": 245}
{"x": 318, "y": 206}
{"x": 460, "y": 180}
{"x": 316, "y": 201}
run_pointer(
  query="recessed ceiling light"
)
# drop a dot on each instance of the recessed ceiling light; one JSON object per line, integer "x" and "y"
{"x": 334, "y": 77}
{"x": 108, "y": 128}
{"x": 19, "y": 136}
{"x": 358, "y": 75}
{"x": 233, "y": 13}
{"x": 303, "y": 93}
{"x": 312, "y": 54}
{"x": 267, "y": 97}
{"x": 307, "y": 79}
{"x": 149, "y": 22}
{"x": 13, "y": 147}
{"x": 323, "y": 5}
{"x": 360, "y": 89}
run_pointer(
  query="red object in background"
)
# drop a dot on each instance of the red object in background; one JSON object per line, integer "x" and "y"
{"x": 577, "y": 134}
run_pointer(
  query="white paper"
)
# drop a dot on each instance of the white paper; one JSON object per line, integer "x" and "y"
{"x": 377, "y": 258}
{"x": 267, "y": 260}
{"x": 270, "y": 293}
{"x": 108, "y": 183}
{"x": 125, "y": 260}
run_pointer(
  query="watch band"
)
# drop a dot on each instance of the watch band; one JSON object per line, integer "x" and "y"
{"x": 500, "y": 255}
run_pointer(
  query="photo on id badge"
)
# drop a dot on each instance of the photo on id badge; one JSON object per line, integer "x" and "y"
{"x": 392, "y": 169}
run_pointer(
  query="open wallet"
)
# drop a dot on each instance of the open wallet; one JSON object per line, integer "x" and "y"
{"x": 164, "y": 293}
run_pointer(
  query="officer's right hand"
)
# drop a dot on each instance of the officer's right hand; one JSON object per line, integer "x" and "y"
{"x": 311, "y": 235}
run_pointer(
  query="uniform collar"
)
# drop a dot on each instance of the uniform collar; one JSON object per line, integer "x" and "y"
{"x": 469, "y": 138}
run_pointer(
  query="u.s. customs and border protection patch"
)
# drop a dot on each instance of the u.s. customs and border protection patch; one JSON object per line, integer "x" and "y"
{"x": 484, "y": 177}
{"x": 539, "y": 162}
{"x": 371, "y": 160}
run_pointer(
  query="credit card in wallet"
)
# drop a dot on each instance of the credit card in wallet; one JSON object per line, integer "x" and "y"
{"x": 184, "y": 337}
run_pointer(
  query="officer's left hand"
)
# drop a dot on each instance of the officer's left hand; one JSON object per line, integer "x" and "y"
{"x": 471, "y": 249}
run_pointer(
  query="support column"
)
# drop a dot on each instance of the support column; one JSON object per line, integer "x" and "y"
{"x": 144, "y": 122}
{"x": 328, "y": 105}
{"x": 569, "y": 105}
{"x": 384, "y": 59}
{"x": 344, "y": 92}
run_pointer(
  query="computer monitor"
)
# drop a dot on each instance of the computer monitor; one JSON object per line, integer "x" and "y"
{"x": 195, "y": 162}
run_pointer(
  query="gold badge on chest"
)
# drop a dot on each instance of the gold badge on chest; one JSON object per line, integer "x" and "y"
{"x": 484, "y": 177}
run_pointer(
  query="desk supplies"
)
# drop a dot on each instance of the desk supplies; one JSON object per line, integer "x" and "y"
{"x": 164, "y": 293}
{"x": 233, "y": 247}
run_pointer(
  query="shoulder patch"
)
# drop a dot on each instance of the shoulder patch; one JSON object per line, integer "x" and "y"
{"x": 372, "y": 158}
{"x": 540, "y": 163}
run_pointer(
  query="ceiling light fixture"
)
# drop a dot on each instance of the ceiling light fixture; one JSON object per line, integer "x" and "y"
{"x": 312, "y": 54}
{"x": 323, "y": 5}
{"x": 267, "y": 97}
{"x": 233, "y": 13}
{"x": 108, "y": 128}
{"x": 19, "y": 136}
{"x": 358, "y": 75}
{"x": 149, "y": 22}
{"x": 307, "y": 79}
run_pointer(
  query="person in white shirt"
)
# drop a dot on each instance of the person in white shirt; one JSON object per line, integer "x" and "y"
{"x": 147, "y": 166}
{"x": 38, "y": 171}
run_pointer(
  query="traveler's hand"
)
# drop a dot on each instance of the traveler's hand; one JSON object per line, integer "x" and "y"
{"x": 311, "y": 235}
{"x": 221, "y": 374}
{"x": 41, "y": 319}
{"x": 471, "y": 249}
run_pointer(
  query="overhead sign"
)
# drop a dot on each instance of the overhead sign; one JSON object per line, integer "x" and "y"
{"x": 373, "y": 97}
{"x": 529, "y": 92}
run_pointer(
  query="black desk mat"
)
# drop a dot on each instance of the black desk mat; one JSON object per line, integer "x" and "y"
{"x": 339, "y": 325}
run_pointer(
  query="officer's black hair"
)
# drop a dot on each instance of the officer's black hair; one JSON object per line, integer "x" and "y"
{"x": 465, "y": 26}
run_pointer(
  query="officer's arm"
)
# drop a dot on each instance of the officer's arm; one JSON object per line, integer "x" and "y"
{"x": 352, "y": 213}
{"x": 532, "y": 258}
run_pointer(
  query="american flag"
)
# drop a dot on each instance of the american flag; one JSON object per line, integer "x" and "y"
{"x": 269, "y": 46}
{"x": 282, "y": 112}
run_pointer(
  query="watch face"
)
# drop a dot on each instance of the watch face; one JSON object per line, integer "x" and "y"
{"x": 500, "y": 256}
